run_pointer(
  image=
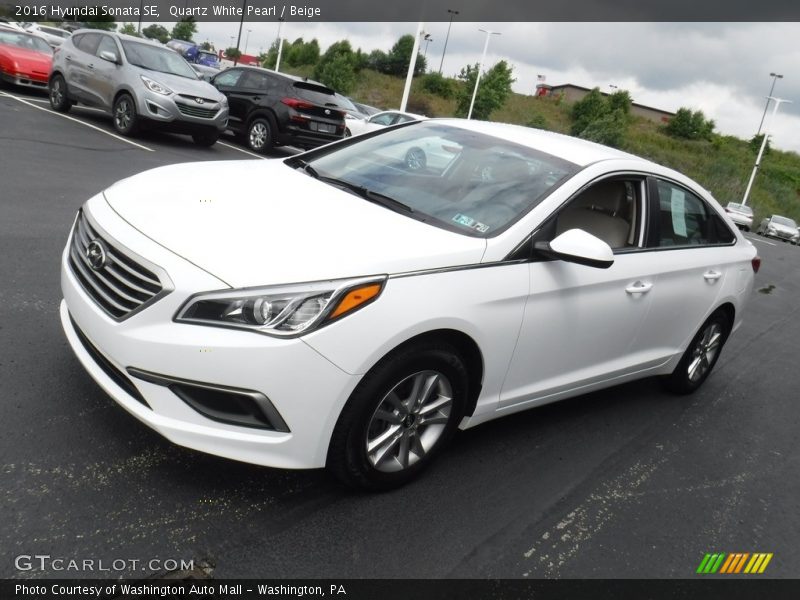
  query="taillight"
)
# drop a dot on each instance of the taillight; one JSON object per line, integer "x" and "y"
{"x": 296, "y": 103}
{"x": 756, "y": 262}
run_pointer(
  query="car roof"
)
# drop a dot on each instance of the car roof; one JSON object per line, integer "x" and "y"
{"x": 574, "y": 150}
{"x": 123, "y": 37}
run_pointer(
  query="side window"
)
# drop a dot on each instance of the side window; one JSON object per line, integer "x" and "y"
{"x": 686, "y": 220}
{"x": 610, "y": 210}
{"x": 385, "y": 119}
{"x": 88, "y": 42}
{"x": 107, "y": 45}
{"x": 254, "y": 80}
{"x": 228, "y": 78}
{"x": 403, "y": 119}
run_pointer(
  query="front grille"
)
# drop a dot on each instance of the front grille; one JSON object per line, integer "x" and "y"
{"x": 119, "y": 287}
{"x": 109, "y": 369}
{"x": 197, "y": 111}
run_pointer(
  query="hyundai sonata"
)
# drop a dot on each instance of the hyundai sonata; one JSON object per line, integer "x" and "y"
{"x": 340, "y": 308}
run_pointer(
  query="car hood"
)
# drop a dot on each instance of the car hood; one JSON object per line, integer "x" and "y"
{"x": 783, "y": 228}
{"x": 261, "y": 222}
{"x": 28, "y": 59}
{"x": 183, "y": 85}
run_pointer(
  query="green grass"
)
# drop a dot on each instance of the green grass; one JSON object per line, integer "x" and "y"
{"x": 722, "y": 165}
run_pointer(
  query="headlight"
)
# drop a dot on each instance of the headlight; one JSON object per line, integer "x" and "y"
{"x": 282, "y": 311}
{"x": 156, "y": 87}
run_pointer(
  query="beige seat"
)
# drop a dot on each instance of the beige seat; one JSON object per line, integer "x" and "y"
{"x": 599, "y": 211}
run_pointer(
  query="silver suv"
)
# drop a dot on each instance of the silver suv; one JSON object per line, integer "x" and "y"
{"x": 139, "y": 82}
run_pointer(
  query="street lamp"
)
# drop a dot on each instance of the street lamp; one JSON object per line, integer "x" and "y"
{"x": 241, "y": 24}
{"x": 247, "y": 40}
{"x": 613, "y": 87}
{"x": 480, "y": 67}
{"x": 280, "y": 46}
{"x": 453, "y": 13}
{"x": 778, "y": 102}
{"x": 428, "y": 39}
{"x": 775, "y": 77}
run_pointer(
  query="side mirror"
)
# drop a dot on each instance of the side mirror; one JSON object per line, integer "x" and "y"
{"x": 109, "y": 56}
{"x": 579, "y": 247}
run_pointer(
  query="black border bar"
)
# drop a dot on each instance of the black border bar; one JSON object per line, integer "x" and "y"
{"x": 409, "y": 10}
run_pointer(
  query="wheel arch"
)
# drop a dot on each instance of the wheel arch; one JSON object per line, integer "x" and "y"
{"x": 467, "y": 349}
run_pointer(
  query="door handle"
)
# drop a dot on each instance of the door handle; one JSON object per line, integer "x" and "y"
{"x": 712, "y": 275}
{"x": 91, "y": 66}
{"x": 639, "y": 287}
{"x": 68, "y": 58}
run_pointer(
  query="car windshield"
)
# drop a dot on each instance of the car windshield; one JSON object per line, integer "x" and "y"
{"x": 444, "y": 175}
{"x": 208, "y": 56}
{"x": 158, "y": 59}
{"x": 784, "y": 221}
{"x": 743, "y": 208}
{"x": 25, "y": 40}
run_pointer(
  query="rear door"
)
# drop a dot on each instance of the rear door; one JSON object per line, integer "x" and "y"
{"x": 689, "y": 245}
{"x": 77, "y": 72}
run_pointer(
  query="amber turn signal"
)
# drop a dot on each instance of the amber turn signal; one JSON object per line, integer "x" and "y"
{"x": 355, "y": 298}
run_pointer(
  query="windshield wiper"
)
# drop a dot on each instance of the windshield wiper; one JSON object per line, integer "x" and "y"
{"x": 368, "y": 194}
{"x": 353, "y": 188}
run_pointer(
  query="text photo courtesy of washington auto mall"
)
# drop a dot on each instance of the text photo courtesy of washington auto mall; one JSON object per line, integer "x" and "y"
{"x": 368, "y": 300}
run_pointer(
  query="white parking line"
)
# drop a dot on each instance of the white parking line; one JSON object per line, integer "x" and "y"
{"x": 241, "y": 150}
{"x": 755, "y": 239}
{"x": 52, "y": 112}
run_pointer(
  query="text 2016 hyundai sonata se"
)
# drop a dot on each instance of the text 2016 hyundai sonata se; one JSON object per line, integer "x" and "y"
{"x": 340, "y": 308}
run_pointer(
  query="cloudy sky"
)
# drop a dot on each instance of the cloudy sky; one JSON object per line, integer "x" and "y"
{"x": 720, "y": 68}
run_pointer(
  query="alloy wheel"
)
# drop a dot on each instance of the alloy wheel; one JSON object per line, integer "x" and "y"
{"x": 56, "y": 93}
{"x": 705, "y": 351}
{"x": 123, "y": 115}
{"x": 409, "y": 421}
{"x": 258, "y": 135}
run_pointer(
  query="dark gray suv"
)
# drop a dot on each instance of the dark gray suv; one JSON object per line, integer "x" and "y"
{"x": 139, "y": 82}
{"x": 269, "y": 108}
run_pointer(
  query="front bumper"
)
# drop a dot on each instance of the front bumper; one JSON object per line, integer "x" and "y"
{"x": 182, "y": 113}
{"x": 306, "y": 390}
{"x": 25, "y": 80}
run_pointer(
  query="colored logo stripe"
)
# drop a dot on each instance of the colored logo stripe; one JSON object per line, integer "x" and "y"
{"x": 734, "y": 563}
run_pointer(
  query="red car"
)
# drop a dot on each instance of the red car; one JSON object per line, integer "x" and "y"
{"x": 25, "y": 58}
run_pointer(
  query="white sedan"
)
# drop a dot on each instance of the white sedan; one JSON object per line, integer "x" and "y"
{"x": 52, "y": 35}
{"x": 356, "y": 312}
{"x": 357, "y": 126}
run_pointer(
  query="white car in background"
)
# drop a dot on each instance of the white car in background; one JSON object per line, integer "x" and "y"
{"x": 380, "y": 120}
{"x": 52, "y": 35}
{"x": 355, "y": 312}
{"x": 740, "y": 214}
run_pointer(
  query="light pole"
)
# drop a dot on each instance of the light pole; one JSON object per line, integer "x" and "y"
{"x": 480, "y": 67}
{"x": 778, "y": 102}
{"x": 613, "y": 87}
{"x": 241, "y": 24}
{"x": 280, "y": 46}
{"x": 775, "y": 77}
{"x": 453, "y": 13}
{"x": 247, "y": 40}
{"x": 428, "y": 39}
{"x": 411, "y": 64}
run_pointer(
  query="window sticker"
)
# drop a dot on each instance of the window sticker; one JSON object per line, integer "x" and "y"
{"x": 471, "y": 223}
{"x": 678, "y": 209}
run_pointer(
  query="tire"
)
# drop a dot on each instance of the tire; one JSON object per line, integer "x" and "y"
{"x": 383, "y": 402}
{"x": 747, "y": 229}
{"x": 347, "y": 132}
{"x": 701, "y": 355}
{"x": 206, "y": 138}
{"x": 57, "y": 90}
{"x": 124, "y": 115}
{"x": 260, "y": 136}
{"x": 416, "y": 159}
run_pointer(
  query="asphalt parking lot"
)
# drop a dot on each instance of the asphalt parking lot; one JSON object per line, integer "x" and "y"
{"x": 630, "y": 482}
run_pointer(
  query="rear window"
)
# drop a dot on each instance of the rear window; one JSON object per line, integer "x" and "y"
{"x": 315, "y": 93}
